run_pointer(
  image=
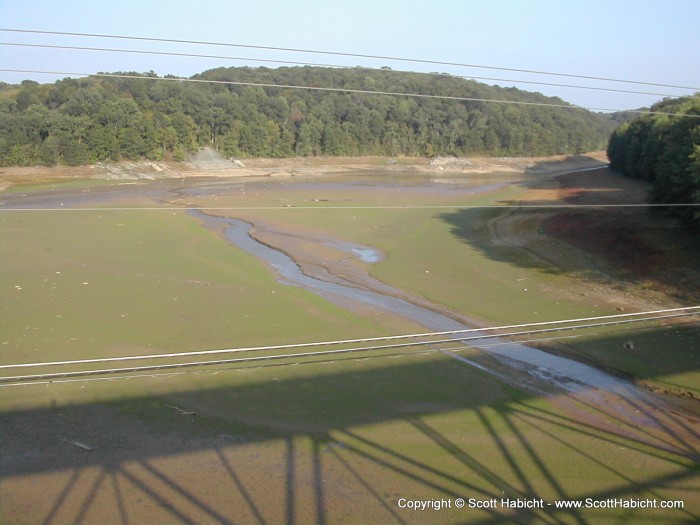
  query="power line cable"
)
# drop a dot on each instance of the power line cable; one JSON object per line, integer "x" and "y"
{"x": 336, "y": 53}
{"x": 296, "y": 363}
{"x": 302, "y": 355}
{"x": 355, "y": 341}
{"x": 289, "y": 62}
{"x": 674, "y": 312}
{"x": 308, "y": 362}
{"x": 395, "y": 207}
{"x": 344, "y": 90}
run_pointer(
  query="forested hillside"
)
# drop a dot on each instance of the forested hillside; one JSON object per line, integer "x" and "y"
{"x": 664, "y": 150}
{"x": 78, "y": 121}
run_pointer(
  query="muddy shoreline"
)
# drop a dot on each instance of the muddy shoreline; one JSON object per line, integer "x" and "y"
{"x": 290, "y": 167}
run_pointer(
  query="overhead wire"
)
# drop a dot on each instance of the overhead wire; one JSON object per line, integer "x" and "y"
{"x": 337, "y": 66}
{"x": 345, "y": 90}
{"x": 474, "y": 99}
{"x": 324, "y": 353}
{"x": 311, "y": 362}
{"x": 269, "y": 365}
{"x": 343, "y": 54}
{"x": 384, "y": 207}
{"x": 637, "y": 317}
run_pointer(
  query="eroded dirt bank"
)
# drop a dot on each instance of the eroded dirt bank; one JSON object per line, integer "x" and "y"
{"x": 213, "y": 165}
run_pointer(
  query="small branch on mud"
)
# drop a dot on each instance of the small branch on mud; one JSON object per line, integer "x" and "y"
{"x": 78, "y": 444}
{"x": 182, "y": 412}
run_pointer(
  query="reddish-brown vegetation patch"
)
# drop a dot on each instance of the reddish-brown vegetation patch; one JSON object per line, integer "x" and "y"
{"x": 601, "y": 186}
{"x": 612, "y": 237}
{"x": 634, "y": 243}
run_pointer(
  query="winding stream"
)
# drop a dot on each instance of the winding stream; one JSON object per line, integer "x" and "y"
{"x": 565, "y": 373}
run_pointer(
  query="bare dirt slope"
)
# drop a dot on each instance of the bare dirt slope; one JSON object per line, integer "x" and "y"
{"x": 209, "y": 163}
{"x": 647, "y": 250}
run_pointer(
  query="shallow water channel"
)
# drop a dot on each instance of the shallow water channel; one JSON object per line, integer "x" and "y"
{"x": 560, "y": 371}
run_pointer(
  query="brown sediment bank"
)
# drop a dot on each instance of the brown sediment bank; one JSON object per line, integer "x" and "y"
{"x": 299, "y": 166}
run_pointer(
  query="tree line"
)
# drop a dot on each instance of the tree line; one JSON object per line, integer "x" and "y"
{"x": 80, "y": 121}
{"x": 665, "y": 151}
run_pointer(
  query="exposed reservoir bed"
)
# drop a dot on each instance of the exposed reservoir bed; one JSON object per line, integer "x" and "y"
{"x": 562, "y": 372}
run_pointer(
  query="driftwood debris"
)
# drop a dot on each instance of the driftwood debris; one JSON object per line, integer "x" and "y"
{"x": 78, "y": 444}
{"x": 182, "y": 412}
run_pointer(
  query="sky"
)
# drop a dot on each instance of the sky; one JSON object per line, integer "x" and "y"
{"x": 638, "y": 40}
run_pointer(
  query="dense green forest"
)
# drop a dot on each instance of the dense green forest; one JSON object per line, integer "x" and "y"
{"x": 99, "y": 118}
{"x": 664, "y": 150}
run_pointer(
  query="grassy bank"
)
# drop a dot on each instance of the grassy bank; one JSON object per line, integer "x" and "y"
{"x": 81, "y": 285}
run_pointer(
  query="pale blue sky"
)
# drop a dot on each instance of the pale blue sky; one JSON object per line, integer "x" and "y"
{"x": 642, "y": 40}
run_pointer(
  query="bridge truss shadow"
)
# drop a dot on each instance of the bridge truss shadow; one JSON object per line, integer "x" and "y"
{"x": 345, "y": 441}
